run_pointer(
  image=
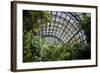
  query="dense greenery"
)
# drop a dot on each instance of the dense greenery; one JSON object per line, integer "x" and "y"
{"x": 27, "y": 55}
{"x": 85, "y": 22}
{"x": 40, "y": 50}
{"x": 31, "y": 26}
{"x": 33, "y": 20}
{"x": 36, "y": 48}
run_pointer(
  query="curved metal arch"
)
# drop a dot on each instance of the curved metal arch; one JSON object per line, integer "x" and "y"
{"x": 52, "y": 32}
{"x": 63, "y": 21}
{"x": 55, "y": 34}
{"x": 68, "y": 21}
{"x": 73, "y": 14}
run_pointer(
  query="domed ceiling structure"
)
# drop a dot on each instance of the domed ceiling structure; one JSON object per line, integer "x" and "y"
{"x": 65, "y": 27}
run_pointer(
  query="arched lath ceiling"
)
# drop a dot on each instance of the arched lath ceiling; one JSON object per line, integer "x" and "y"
{"x": 64, "y": 26}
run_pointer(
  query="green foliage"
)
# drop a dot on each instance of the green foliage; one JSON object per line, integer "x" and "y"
{"x": 32, "y": 21}
{"x": 85, "y": 22}
{"x": 47, "y": 52}
{"x": 56, "y": 52}
{"x": 80, "y": 51}
{"x": 42, "y": 51}
{"x": 35, "y": 48}
{"x": 26, "y": 47}
{"x": 36, "y": 18}
{"x": 38, "y": 44}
